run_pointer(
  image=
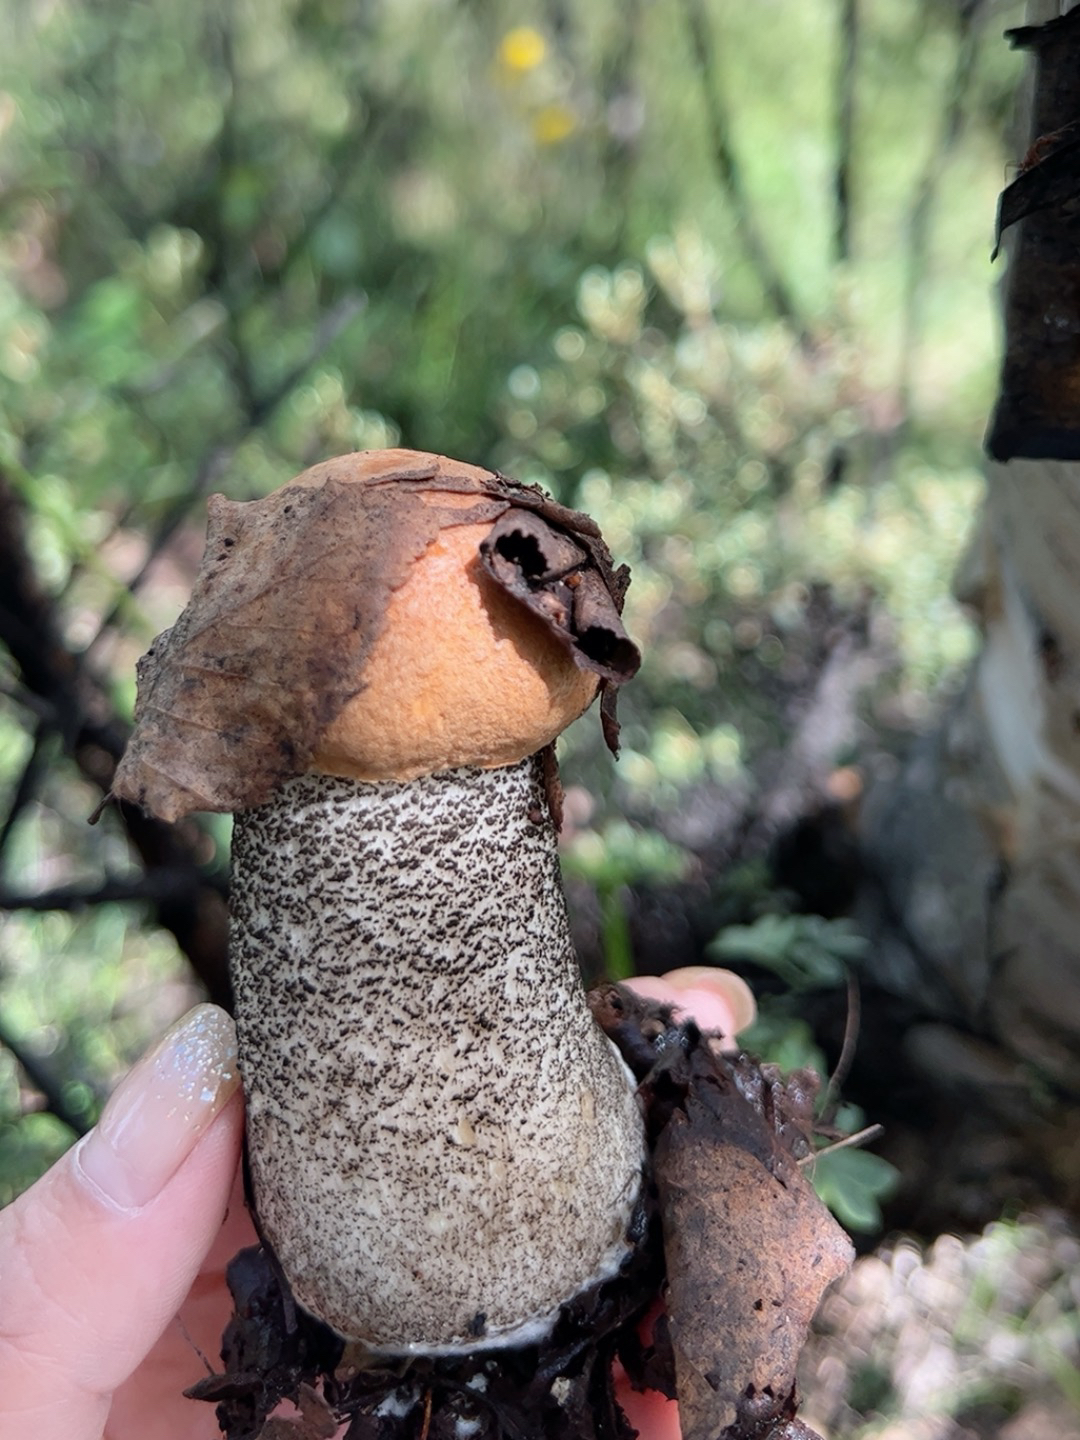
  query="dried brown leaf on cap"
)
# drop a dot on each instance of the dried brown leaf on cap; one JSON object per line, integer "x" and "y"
{"x": 291, "y": 597}
{"x": 562, "y": 583}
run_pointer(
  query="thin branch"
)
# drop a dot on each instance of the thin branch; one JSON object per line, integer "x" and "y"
{"x": 216, "y": 460}
{"x": 621, "y": 146}
{"x": 831, "y": 1099}
{"x": 330, "y": 326}
{"x": 729, "y": 172}
{"x": 34, "y": 705}
{"x": 846, "y": 70}
{"x": 43, "y": 1082}
{"x": 162, "y": 884}
{"x": 866, "y": 1136}
{"x": 211, "y": 467}
{"x": 95, "y": 737}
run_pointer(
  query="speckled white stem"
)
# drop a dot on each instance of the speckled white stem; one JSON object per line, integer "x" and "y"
{"x": 444, "y": 1147}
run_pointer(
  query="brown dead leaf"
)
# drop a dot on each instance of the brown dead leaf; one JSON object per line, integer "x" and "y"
{"x": 750, "y": 1250}
{"x": 289, "y": 600}
{"x": 315, "y": 1422}
{"x": 557, "y": 579}
{"x": 1050, "y": 179}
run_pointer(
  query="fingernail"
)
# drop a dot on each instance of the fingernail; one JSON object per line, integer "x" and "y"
{"x": 731, "y": 990}
{"x": 156, "y": 1114}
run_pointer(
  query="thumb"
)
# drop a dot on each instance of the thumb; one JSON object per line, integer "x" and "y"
{"x": 97, "y": 1256}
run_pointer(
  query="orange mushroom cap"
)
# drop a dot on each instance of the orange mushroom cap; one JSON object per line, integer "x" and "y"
{"x": 461, "y": 673}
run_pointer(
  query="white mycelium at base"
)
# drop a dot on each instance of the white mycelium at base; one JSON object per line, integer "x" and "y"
{"x": 444, "y": 1147}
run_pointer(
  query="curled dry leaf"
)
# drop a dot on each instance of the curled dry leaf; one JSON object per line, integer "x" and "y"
{"x": 1049, "y": 180}
{"x": 750, "y": 1251}
{"x": 291, "y": 597}
{"x": 557, "y": 579}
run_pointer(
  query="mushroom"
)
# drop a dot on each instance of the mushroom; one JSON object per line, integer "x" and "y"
{"x": 443, "y": 1146}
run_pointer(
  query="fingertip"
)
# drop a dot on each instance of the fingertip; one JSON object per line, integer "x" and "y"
{"x": 651, "y": 987}
{"x": 652, "y": 1415}
{"x": 157, "y": 1114}
{"x": 91, "y": 1282}
{"x": 696, "y": 984}
{"x": 715, "y": 999}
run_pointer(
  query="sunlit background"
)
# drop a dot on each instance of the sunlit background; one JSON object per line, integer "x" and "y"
{"x": 717, "y": 273}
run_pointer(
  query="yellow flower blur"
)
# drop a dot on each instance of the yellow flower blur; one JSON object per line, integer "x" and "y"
{"x": 552, "y": 124}
{"x": 523, "y": 48}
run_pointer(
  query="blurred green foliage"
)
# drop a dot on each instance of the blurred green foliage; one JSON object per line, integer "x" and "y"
{"x": 805, "y": 951}
{"x": 237, "y": 238}
{"x": 611, "y": 858}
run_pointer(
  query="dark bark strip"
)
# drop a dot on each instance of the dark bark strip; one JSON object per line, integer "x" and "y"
{"x": 1038, "y": 409}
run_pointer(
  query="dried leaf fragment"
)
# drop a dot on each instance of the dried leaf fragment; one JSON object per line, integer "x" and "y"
{"x": 750, "y": 1251}
{"x": 315, "y": 1421}
{"x": 574, "y": 590}
{"x": 555, "y": 577}
{"x": 1049, "y": 179}
{"x": 287, "y": 603}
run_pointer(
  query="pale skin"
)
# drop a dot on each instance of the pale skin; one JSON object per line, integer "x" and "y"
{"x": 112, "y": 1267}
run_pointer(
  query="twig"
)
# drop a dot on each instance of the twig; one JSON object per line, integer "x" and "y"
{"x": 210, "y": 468}
{"x": 216, "y": 460}
{"x": 190, "y": 1342}
{"x": 831, "y": 1099}
{"x": 41, "y": 1081}
{"x": 730, "y": 176}
{"x": 330, "y": 326}
{"x": 158, "y": 885}
{"x": 845, "y": 126}
{"x": 94, "y": 734}
{"x": 621, "y": 148}
{"x": 26, "y": 786}
{"x": 426, "y": 1424}
{"x": 866, "y": 1136}
{"x": 33, "y": 704}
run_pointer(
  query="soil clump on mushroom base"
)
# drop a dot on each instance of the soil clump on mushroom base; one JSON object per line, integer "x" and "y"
{"x": 725, "y": 1140}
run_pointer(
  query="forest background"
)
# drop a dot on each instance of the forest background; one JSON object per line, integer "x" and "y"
{"x": 718, "y": 274}
{"x": 721, "y": 278}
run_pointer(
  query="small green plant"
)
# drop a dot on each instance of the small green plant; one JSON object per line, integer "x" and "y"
{"x": 808, "y": 953}
{"x": 610, "y": 859}
{"x": 850, "y": 1181}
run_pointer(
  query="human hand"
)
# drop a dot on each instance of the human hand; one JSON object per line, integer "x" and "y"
{"x": 96, "y": 1258}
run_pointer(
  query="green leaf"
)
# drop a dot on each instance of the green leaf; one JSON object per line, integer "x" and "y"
{"x": 805, "y": 951}
{"x": 852, "y": 1183}
{"x": 783, "y": 1041}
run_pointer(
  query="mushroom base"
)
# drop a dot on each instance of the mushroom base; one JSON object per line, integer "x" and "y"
{"x": 736, "y": 1244}
{"x": 564, "y": 1386}
{"x": 444, "y": 1148}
